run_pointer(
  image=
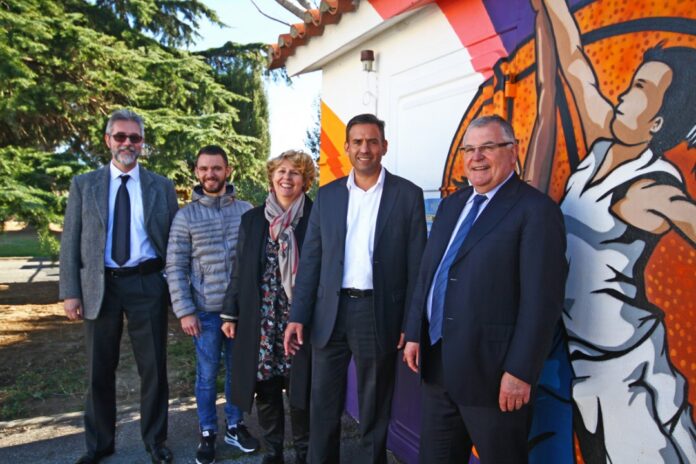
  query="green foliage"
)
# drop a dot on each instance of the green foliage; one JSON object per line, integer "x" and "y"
{"x": 66, "y": 64}
{"x": 174, "y": 22}
{"x": 240, "y": 68}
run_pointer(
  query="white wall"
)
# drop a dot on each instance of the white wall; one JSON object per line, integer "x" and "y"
{"x": 423, "y": 82}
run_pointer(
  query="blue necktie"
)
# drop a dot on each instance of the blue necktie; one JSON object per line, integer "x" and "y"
{"x": 440, "y": 283}
{"x": 120, "y": 235}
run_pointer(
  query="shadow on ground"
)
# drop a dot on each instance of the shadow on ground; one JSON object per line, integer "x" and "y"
{"x": 60, "y": 440}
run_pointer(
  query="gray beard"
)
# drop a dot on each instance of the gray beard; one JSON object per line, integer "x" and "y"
{"x": 126, "y": 158}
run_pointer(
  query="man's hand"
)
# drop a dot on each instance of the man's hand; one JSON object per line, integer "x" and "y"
{"x": 411, "y": 356}
{"x": 402, "y": 340}
{"x": 294, "y": 338}
{"x": 73, "y": 308}
{"x": 514, "y": 393}
{"x": 229, "y": 329}
{"x": 190, "y": 325}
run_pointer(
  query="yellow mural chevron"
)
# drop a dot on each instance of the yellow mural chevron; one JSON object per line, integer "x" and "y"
{"x": 333, "y": 163}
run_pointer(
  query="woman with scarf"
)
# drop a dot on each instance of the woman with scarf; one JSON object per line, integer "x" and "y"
{"x": 257, "y": 306}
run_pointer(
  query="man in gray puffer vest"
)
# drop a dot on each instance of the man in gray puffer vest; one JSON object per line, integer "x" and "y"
{"x": 200, "y": 259}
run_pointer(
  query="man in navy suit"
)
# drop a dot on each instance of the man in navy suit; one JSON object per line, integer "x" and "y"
{"x": 487, "y": 301}
{"x": 359, "y": 263}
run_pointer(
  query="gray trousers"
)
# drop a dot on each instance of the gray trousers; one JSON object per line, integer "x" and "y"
{"x": 142, "y": 299}
{"x": 354, "y": 334}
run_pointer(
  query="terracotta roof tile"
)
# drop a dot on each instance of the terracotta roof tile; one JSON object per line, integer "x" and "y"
{"x": 329, "y": 12}
{"x": 312, "y": 16}
{"x": 298, "y": 30}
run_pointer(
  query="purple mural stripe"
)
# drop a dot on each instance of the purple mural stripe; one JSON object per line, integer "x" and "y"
{"x": 514, "y": 20}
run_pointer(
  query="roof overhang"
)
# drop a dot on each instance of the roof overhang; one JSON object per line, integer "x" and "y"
{"x": 328, "y": 32}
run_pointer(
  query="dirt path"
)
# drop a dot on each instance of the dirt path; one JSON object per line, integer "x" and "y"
{"x": 43, "y": 357}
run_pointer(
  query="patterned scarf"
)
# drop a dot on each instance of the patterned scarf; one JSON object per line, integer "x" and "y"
{"x": 282, "y": 229}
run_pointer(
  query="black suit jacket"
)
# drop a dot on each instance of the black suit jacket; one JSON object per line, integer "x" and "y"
{"x": 504, "y": 295}
{"x": 243, "y": 301}
{"x": 399, "y": 240}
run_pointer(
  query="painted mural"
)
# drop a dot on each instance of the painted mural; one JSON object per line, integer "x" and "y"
{"x": 602, "y": 95}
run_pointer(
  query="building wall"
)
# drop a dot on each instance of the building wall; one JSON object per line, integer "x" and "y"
{"x": 621, "y": 383}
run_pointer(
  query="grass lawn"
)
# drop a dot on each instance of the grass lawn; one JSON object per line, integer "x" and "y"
{"x": 43, "y": 369}
{"x": 19, "y": 243}
{"x": 19, "y": 240}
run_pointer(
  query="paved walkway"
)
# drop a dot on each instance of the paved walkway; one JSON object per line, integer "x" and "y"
{"x": 59, "y": 439}
{"x": 21, "y": 270}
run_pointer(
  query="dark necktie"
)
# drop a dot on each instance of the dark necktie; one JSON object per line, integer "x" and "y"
{"x": 437, "y": 308}
{"x": 120, "y": 240}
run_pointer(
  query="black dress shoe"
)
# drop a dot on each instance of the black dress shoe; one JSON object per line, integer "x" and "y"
{"x": 160, "y": 454}
{"x": 94, "y": 458}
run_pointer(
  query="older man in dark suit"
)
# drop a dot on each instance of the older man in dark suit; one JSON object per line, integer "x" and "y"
{"x": 112, "y": 253}
{"x": 359, "y": 262}
{"x": 488, "y": 299}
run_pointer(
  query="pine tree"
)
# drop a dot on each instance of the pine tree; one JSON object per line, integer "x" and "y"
{"x": 66, "y": 64}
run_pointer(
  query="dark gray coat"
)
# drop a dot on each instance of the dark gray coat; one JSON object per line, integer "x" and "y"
{"x": 399, "y": 241}
{"x": 243, "y": 302}
{"x": 85, "y": 227}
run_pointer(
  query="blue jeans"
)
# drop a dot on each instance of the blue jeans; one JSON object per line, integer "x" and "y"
{"x": 209, "y": 346}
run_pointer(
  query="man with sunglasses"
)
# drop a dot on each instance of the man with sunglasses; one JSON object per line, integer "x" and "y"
{"x": 112, "y": 254}
{"x": 486, "y": 305}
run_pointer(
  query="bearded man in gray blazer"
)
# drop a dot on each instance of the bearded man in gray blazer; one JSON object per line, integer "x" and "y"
{"x": 112, "y": 253}
{"x": 359, "y": 263}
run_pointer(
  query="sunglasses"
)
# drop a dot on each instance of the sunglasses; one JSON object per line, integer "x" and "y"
{"x": 121, "y": 137}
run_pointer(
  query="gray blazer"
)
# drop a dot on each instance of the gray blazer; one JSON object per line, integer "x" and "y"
{"x": 85, "y": 227}
{"x": 399, "y": 241}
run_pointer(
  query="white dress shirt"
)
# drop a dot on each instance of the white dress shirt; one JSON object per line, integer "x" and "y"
{"x": 361, "y": 221}
{"x": 469, "y": 203}
{"x": 140, "y": 247}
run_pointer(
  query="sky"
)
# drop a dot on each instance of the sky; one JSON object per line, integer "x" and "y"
{"x": 292, "y": 108}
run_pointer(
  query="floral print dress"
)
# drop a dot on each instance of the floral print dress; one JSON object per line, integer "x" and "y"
{"x": 275, "y": 310}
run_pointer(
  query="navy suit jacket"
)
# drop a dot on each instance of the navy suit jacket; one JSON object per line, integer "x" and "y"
{"x": 399, "y": 240}
{"x": 505, "y": 291}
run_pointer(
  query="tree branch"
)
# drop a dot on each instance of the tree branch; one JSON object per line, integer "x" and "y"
{"x": 268, "y": 16}
{"x": 291, "y": 7}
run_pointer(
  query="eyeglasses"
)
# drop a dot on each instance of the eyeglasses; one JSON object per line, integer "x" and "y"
{"x": 121, "y": 137}
{"x": 485, "y": 149}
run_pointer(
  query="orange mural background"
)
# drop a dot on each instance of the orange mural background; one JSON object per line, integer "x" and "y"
{"x": 333, "y": 163}
{"x": 669, "y": 274}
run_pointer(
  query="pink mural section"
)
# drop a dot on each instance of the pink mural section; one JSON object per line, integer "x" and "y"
{"x": 479, "y": 37}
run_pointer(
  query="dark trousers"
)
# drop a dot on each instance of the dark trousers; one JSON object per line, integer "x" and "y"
{"x": 271, "y": 413}
{"x": 142, "y": 299}
{"x": 354, "y": 333}
{"x": 448, "y": 429}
